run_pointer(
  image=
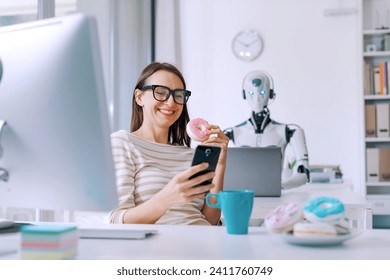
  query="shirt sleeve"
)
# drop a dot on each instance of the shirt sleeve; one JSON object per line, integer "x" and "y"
{"x": 125, "y": 172}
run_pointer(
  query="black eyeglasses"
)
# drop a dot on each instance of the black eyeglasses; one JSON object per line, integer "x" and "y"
{"x": 162, "y": 93}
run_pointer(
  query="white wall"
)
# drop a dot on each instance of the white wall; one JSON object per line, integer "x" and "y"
{"x": 124, "y": 30}
{"x": 314, "y": 61}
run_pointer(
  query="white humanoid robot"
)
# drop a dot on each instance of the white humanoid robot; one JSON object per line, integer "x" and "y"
{"x": 260, "y": 131}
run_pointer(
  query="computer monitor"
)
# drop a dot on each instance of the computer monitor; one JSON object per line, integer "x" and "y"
{"x": 56, "y": 151}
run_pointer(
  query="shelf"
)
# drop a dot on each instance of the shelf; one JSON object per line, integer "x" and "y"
{"x": 377, "y": 97}
{"x": 376, "y": 54}
{"x": 376, "y": 32}
{"x": 378, "y": 184}
{"x": 378, "y": 193}
{"x": 377, "y": 140}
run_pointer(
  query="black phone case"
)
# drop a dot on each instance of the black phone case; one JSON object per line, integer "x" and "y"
{"x": 209, "y": 154}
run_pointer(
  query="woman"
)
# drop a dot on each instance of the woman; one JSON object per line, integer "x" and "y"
{"x": 153, "y": 162}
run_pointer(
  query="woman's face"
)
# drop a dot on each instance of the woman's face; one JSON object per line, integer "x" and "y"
{"x": 157, "y": 113}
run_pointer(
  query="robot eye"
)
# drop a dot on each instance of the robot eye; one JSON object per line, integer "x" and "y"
{"x": 251, "y": 92}
{"x": 262, "y": 92}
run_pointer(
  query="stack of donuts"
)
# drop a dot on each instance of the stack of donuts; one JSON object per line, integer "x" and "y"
{"x": 321, "y": 216}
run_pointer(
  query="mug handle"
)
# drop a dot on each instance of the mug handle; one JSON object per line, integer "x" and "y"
{"x": 215, "y": 205}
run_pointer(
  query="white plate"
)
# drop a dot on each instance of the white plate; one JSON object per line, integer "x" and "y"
{"x": 318, "y": 240}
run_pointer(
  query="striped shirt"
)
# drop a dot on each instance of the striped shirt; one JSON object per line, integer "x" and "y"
{"x": 142, "y": 169}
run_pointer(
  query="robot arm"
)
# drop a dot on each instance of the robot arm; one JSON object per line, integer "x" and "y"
{"x": 300, "y": 167}
{"x": 229, "y": 133}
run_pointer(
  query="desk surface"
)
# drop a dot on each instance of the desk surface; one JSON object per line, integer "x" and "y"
{"x": 207, "y": 242}
{"x": 212, "y": 242}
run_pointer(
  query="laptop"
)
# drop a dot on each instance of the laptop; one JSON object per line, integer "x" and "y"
{"x": 257, "y": 169}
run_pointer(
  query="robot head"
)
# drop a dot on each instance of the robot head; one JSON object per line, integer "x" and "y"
{"x": 257, "y": 89}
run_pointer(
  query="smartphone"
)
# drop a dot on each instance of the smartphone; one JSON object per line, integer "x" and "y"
{"x": 209, "y": 154}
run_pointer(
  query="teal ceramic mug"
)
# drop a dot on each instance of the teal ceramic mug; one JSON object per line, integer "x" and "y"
{"x": 236, "y": 206}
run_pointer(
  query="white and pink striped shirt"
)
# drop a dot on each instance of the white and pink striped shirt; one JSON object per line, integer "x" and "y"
{"x": 142, "y": 169}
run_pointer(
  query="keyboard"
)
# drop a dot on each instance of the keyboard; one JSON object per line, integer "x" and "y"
{"x": 107, "y": 233}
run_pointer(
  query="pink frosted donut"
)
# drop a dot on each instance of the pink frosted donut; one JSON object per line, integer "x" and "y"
{"x": 197, "y": 129}
{"x": 283, "y": 217}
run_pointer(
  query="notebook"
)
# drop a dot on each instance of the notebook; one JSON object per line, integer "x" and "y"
{"x": 257, "y": 169}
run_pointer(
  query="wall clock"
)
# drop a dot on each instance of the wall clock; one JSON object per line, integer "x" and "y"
{"x": 247, "y": 45}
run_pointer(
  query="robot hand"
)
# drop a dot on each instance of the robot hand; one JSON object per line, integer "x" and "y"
{"x": 294, "y": 181}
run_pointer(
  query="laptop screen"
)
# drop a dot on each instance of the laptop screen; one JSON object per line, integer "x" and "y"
{"x": 257, "y": 169}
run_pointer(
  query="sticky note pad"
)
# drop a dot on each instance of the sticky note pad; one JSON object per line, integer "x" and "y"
{"x": 47, "y": 229}
{"x": 49, "y": 242}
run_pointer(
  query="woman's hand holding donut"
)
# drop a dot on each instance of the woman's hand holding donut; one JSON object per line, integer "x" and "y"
{"x": 217, "y": 138}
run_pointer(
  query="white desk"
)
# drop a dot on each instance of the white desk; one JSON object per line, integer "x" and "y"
{"x": 213, "y": 243}
{"x": 202, "y": 242}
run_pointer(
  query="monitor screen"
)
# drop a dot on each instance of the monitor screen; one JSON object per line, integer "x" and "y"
{"x": 55, "y": 139}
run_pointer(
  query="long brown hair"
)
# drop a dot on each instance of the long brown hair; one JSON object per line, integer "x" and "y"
{"x": 177, "y": 132}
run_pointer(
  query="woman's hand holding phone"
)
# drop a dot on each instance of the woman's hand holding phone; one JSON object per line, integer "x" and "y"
{"x": 196, "y": 181}
{"x": 181, "y": 188}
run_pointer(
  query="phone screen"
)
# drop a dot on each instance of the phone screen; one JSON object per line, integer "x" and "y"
{"x": 209, "y": 154}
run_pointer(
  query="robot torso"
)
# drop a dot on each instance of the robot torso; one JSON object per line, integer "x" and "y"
{"x": 274, "y": 135}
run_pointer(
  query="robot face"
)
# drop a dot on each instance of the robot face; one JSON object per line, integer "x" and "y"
{"x": 257, "y": 90}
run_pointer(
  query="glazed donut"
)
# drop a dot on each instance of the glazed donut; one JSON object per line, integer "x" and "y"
{"x": 323, "y": 209}
{"x": 197, "y": 128}
{"x": 314, "y": 229}
{"x": 283, "y": 217}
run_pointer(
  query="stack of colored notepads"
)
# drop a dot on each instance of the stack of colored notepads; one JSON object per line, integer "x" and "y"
{"x": 46, "y": 242}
